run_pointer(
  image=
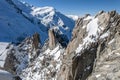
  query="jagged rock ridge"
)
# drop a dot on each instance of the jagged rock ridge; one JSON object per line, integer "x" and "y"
{"x": 95, "y": 52}
{"x": 92, "y": 54}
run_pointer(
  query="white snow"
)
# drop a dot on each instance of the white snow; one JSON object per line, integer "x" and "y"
{"x": 92, "y": 29}
{"x": 104, "y": 35}
{"x": 4, "y": 72}
{"x": 3, "y": 53}
{"x": 56, "y": 52}
{"x": 107, "y": 66}
{"x": 88, "y": 18}
{"x": 79, "y": 48}
{"x": 40, "y": 69}
{"x": 50, "y": 17}
{"x": 98, "y": 75}
{"x": 111, "y": 41}
{"x": 74, "y": 17}
{"x": 15, "y": 26}
{"x": 4, "y": 75}
{"x": 42, "y": 10}
{"x": 117, "y": 54}
{"x": 84, "y": 26}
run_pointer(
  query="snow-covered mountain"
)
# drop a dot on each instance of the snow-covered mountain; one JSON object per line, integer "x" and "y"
{"x": 14, "y": 26}
{"x": 93, "y": 52}
{"x": 19, "y": 20}
{"x": 51, "y": 18}
{"x": 74, "y": 17}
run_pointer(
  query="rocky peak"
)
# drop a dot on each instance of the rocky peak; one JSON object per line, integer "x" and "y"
{"x": 52, "y": 39}
{"x": 86, "y": 51}
{"x": 100, "y": 12}
{"x": 108, "y": 52}
{"x": 56, "y": 37}
{"x": 86, "y": 15}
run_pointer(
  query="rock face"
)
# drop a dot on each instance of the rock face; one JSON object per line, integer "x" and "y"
{"x": 55, "y": 37}
{"x": 107, "y": 65}
{"x": 10, "y": 62}
{"x": 36, "y": 40}
{"x": 93, "y": 53}
{"x": 52, "y": 40}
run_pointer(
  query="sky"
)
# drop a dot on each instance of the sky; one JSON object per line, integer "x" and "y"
{"x": 78, "y": 7}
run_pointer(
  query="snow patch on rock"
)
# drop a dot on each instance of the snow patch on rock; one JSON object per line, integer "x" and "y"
{"x": 93, "y": 30}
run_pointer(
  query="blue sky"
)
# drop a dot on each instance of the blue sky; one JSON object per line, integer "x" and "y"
{"x": 78, "y": 7}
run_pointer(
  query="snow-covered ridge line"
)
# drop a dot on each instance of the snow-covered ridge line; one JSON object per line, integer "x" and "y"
{"x": 92, "y": 30}
{"x": 45, "y": 9}
{"x": 74, "y": 17}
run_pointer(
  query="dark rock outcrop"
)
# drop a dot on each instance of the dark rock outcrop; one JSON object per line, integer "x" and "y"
{"x": 36, "y": 40}
{"x": 10, "y": 62}
{"x": 82, "y": 65}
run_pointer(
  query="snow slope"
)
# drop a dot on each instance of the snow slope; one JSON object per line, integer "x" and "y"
{"x": 3, "y": 52}
{"x": 13, "y": 26}
{"x": 19, "y": 20}
{"x": 47, "y": 17}
{"x": 92, "y": 33}
{"x": 4, "y": 75}
{"x": 45, "y": 66}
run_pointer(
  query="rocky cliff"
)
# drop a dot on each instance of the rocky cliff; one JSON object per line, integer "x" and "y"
{"x": 93, "y": 52}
